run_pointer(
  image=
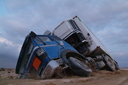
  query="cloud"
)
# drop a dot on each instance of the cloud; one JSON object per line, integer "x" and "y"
{"x": 106, "y": 13}
{"x": 106, "y": 19}
{"x": 121, "y": 58}
{"x": 7, "y": 62}
{"x": 9, "y": 48}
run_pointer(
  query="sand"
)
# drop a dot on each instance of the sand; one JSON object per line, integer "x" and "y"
{"x": 102, "y": 77}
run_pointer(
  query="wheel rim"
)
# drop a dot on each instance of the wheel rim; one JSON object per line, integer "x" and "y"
{"x": 81, "y": 64}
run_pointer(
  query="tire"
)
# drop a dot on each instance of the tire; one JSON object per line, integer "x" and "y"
{"x": 79, "y": 67}
{"x": 116, "y": 66}
{"x": 92, "y": 64}
{"x": 109, "y": 63}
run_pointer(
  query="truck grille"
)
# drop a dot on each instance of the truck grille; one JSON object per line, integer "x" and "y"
{"x": 74, "y": 25}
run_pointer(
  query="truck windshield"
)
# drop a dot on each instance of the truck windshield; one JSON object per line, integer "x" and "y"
{"x": 56, "y": 38}
{"x": 26, "y": 54}
{"x": 41, "y": 39}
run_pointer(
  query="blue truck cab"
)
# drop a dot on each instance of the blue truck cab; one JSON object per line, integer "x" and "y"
{"x": 44, "y": 55}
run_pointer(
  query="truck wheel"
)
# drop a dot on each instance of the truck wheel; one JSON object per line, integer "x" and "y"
{"x": 109, "y": 63}
{"x": 79, "y": 67}
{"x": 92, "y": 64}
{"x": 116, "y": 66}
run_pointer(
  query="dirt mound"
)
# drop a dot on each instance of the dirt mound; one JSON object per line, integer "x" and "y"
{"x": 8, "y": 73}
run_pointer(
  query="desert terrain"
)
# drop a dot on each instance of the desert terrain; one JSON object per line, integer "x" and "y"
{"x": 102, "y": 77}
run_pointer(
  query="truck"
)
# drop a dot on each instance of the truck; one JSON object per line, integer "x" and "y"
{"x": 46, "y": 55}
{"x": 85, "y": 42}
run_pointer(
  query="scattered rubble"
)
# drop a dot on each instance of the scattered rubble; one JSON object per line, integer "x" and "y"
{"x": 6, "y": 73}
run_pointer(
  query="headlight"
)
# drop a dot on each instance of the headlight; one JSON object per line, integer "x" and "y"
{"x": 40, "y": 51}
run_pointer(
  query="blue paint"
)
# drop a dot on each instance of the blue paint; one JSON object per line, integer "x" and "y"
{"x": 51, "y": 45}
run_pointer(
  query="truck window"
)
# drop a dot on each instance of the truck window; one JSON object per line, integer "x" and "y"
{"x": 45, "y": 39}
{"x": 73, "y": 40}
{"x": 28, "y": 49}
{"x": 42, "y": 38}
{"x": 56, "y": 38}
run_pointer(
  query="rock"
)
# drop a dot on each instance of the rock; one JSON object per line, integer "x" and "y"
{"x": 2, "y": 69}
{"x": 10, "y": 77}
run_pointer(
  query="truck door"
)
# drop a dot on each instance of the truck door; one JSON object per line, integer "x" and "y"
{"x": 51, "y": 46}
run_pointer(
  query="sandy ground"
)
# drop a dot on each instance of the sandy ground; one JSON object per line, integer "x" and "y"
{"x": 102, "y": 77}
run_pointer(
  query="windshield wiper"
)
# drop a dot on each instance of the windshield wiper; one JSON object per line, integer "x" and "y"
{"x": 38, "y": 39}
{"x": 32, "y": 34}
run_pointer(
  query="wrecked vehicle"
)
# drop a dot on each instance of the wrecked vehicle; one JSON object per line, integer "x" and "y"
{"x": 45, "y": 55}
{"x": 85, "y": 42}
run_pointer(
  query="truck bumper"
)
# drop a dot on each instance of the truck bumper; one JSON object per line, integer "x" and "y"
{"x": 50, "y": 69}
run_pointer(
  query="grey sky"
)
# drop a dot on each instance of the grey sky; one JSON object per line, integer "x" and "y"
{"x": 107, "y": 19}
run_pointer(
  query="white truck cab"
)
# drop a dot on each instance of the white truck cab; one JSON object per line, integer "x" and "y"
{"x": 79, "y": 36}
{"x": 84, "y": 41}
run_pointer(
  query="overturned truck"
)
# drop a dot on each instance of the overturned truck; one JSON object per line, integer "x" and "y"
{"x": 85, "y": 42}
{"x": 46, "y": 55}
{"x": 71, "y": 45}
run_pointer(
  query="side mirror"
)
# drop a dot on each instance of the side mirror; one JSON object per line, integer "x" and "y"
{"x": 47, "y": 32}
{"x": 32, "y": 34}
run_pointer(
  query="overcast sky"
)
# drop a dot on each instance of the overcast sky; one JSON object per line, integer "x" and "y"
{"x": 107, "y": 19}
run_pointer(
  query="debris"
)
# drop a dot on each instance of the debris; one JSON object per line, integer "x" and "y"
{"x": 2, "y": 69}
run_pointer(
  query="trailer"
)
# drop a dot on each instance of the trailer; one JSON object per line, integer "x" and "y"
{"x": 85, "y": 42}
